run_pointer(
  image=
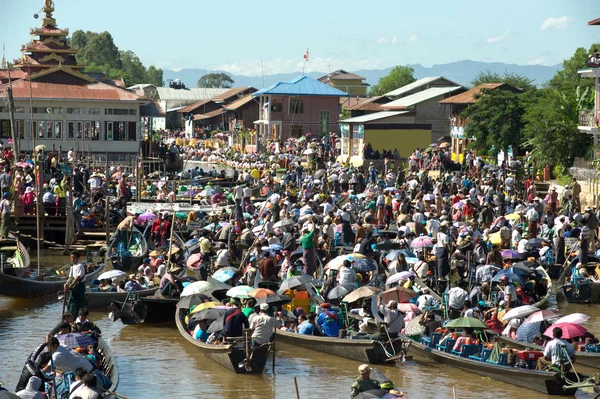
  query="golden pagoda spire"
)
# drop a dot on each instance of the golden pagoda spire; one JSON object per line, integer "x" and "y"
{"x": 48, "y": 9}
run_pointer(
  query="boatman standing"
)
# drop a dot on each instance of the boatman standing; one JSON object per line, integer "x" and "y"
{"x": 364, "y": 382}
{"x": 75, "y": 285}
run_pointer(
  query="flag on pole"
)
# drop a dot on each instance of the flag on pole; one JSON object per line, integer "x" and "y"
{"x": 306, "y": 55}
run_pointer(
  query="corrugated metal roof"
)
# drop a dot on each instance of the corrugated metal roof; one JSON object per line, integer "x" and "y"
{"x": 232, "y": 92}
{"x": 416, "y": 84}
{"x": 191, "y": 95}
{"x": 239, "y": 103}
{"x": 194, "y": 106}
{"x": 209, "y": 115}
{"x": 301, "y": 86}
{"x": 373, "y": 117}
{"x": 80, "y": 91}
{"x": 419, "y": 97}
{"x": 369, "y": 104}
{"x": 468, "y": 97}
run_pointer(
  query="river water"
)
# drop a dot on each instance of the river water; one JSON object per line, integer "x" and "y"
{"x": 155, "y": 361}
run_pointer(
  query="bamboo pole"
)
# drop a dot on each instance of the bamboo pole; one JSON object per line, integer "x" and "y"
{"x": 38, "y": 172}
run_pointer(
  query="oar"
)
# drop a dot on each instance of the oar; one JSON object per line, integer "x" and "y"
{"x": 274, "y": 338}
{"x": 112, "y": 393}
{"x": 64, "y": 304}
{"x": 297, "y": 390}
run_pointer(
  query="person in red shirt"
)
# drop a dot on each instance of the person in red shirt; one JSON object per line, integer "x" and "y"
{"x": 155, "y": 229}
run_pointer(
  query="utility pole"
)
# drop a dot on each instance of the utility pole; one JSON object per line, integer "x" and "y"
{"x": 11, "y": 111}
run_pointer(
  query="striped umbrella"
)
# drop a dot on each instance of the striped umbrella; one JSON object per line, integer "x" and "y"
{"x": 75, "y": 340}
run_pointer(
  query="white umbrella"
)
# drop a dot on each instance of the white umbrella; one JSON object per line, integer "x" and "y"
{"x": 283, "y": 223}
{"x": 576, "y": 318}
{"x": 111, "y": 274}
{"x": 308, "y": 152}
{"x": 333, "y": 177}
{"x": 519, "y": 312}
{"x": 195, "y": 288}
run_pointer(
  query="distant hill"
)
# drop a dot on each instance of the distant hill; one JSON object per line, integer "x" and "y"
{"x": 461, "y": 72}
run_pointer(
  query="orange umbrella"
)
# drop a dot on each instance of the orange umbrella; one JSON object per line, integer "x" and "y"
{"x": 261, "y": 293}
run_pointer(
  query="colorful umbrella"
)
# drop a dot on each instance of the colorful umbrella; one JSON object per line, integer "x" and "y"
{"x": 421, "y": 242}
{"x": 224, "y": 274}
{"x": 542, "y": 315}
{"x": 205, "y": 305}
{"x": 466, "y": 322}
{"x": 338, "y": 261}
{"x": 193, "y": 260}
{"x": 513, "y": 216}
{"x": 362, "y": 292}
{"x": 196, "y": 287}
{"x": 576, "y": 318}
{"x": 510, "y": 254}
{"x": 75, "y": 340}
{"x": 519, "y": 312}
{"x": 392, "y": 256}
{"x": 109, "y": 275}
{"x": 398, "y": 294}
{"x": 528, "y": 330}
{"x": 241, "y": 291}
{"x": 569, "y": 330}
{"x": 399, "y": 276}
{"x": 261, "y": 293}
{"x": 408, "y": 307}
{"x": 459, "y": 205}
{"x": 191, "y": 300}
{"x": 364, "y": 265}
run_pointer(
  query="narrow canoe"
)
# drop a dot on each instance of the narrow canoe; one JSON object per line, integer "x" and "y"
{"x": 99, "y": 300}
{"x": 159, "y": 309}
{"x": 549, "y": 287}
{"x": 231, "y": 356}
{"x": 361, "y": 350}
{"x": 541, "y": 381}
{"x": 109, "y": 367}
{"x": 589, "y": 359}
{"x": 19, "y": 287}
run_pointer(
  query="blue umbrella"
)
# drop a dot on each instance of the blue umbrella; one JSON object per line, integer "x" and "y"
{"x": 223, "y": 275}
{"x": 275, "y": 247}
{"x": 513, "y": 278}
{"x": 392, "y": 256}
{"x": 528, "y": 330}
{"x": 515, "y": 270}
{"x": 364, "y": 265}
{"x": 191, "y": 242}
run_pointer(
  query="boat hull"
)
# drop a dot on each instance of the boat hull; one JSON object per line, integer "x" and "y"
{"x": 226, "y": 355}
{"x": 365, "y": 351}
{"x": 99, "y": 300}
{"x": 541, "y": 381}
{"x": 18, "y": 287}
{"x": 109, "y": 367}
{"x": 159, "y": 310}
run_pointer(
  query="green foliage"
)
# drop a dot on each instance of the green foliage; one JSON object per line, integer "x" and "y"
{"x": 345, "y": 114}
{"x": 399, "y": 76}
{"x": 215, "y": 80}
{"x": 567, "y": 79}
{"x": 513, "y": 79}
{"x": 551, "y": 127}
{"x": 495, "y": 121}
{"x": 101, "y": 55}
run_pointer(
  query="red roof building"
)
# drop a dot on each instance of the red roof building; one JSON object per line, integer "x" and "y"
{"x": 69, "y": 108}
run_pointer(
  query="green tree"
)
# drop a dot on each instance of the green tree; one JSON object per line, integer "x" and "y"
{"x": 345, "y": 114}
{"x": 79, "y": 39}
{"x": 551, "y": 127}
{"x": 399, "y": 76}
{"x": 133, "y": 67}
{"x": 513, "y": 79}
{"x": 216, "y": 80}
{"x": 495, "y": 121}
{"x": 100, "y": 50}
{"x": 567, "y": 79}
{"x": 154, "y": 76}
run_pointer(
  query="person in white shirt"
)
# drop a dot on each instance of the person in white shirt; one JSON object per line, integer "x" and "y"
{"x": 65, "y": 359}
{"x": 392, "y": 317}
{"x": 425, "y": 300}
{"x": 456, "y": 299}
{"x": 556, "y": 351}
{"x": 347, "y": 275}
{"x": 510, "y": 292}
{"x": 223, "y": 257}
{"x": 516, "y": 236}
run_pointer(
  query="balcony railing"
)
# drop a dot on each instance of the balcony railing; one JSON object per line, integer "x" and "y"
{"x": 588, "y": 118}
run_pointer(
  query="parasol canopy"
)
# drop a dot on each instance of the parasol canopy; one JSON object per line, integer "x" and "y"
{"x": 75, "y": 340}
{"x": 362, "y": 292}
{"x": 241, "y": 291}
{"x": 196, "y": 287}
{"x": 542, "y": 315}
{"x": 399, "y": 276}
{"x": 466, "y": 322}
{"x": 576, "y": 318}
{"x": 519, "y": 312}
{"x": 399, "y": 294}
{"x": 421, "y": 242}
{"x": 569, "y": 330}
{"x": 109, "y": 275}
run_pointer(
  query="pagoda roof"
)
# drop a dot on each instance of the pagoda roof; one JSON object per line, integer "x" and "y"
{"x": 37, "y": 46}
{"x": 48, "y": 31}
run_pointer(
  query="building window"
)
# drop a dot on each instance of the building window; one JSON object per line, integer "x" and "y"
{"x": 324, "y": 123}
{"x": 41, "y": 110}
{"x": 296, "y": 105}
{"x": 58, "y": 130}
{"x": 83, "y": 111}
{"x": 358, "y": 132}
{"x": 109, "y": 131}
{"x": 5, "y": 129}
{"x": 117, "y": 111}
{"x": 18, "y": 110}
{"x": 276, "y": 105}
{"x": 96, "y": 130}
{"x": 296, "y": 131}
{"x": 49, "y": 129}
{"x": 71, "y": 131}
{"x": 79, "y": 130}
{"x": 131, "y": 131}
{"x": 41, "y": 129}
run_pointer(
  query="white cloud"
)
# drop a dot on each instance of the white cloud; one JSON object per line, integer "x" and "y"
{"x": 394, "y": 39}
{"x": 413, "y": 38}
{"x": 381, "y": 40}
{"x": 278, "y": 65}
{"x": 496, "y": 39}
{"x": 536, "y": 61}
{"x": 556, "y": 23}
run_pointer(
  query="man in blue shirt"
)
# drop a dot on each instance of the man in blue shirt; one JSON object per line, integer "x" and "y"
{"x": 307, "y": 327}
{"x": 329, "y": 321}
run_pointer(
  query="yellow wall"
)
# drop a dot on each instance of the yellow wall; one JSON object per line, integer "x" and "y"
{"x": 352, "y": 87}
{"x": 406, "y": 141}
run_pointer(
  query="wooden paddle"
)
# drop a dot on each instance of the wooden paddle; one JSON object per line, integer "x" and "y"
{"x": 112, "y": 393}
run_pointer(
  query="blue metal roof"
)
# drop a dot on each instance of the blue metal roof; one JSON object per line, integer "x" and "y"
{"x": 301, "y": 86}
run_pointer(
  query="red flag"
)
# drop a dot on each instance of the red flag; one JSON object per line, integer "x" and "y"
{"x": 306, "y": 55}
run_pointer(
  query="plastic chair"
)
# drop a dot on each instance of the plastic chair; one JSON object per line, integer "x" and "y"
{"x": 435, "y": 339}
{"x": 468, "y": 350}
{"x": 447, "y": 347}
{"x": 502, "y": 360}
{"x": 483, "y": 356}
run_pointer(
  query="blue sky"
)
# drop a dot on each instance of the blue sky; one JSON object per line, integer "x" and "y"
{"x": 237, "y": 35}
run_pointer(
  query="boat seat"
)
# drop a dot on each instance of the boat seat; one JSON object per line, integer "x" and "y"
{"x": 502, "y": 360}
{"x": 447, "y": 347}
{"x": 468, "y": 350}
{"x": 483, "y": 356}
{"x": 434, "y": 340}
{"x": 592, "y": 348}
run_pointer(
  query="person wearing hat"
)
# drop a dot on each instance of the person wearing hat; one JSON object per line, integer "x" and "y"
{"x": 510, "y": 292}
{"x": 329, "y": 321}
{"x": 5, "y": 209}
{"x": 27, "y": 199}
{"x": 170, "y": 285}
{"x": 591, "y": 221}
{"x": 364, "y": 383}
{"x": 125, "y": 229}
{"x": 575, "y": 188}
{"x": 263, "y": 326}
{"x": 295, "y": 269}
{"x": 234, "y": 320}
{"x": 392, "y": 317}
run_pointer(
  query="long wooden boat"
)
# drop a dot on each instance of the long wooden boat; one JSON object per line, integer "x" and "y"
{"x": 549, "y": 287}
{"x": 589, "y": 359}
{"x": 33, "y": 287}
{"x": 99, "y": 300}
{"x": 586, "y": 291}
{"x": 551, "y": 383}
{"x": 231, "y": 356}
{"x": 176, "y": 239}
{"x": 361, "y": 350}
{"x": 138, "y": 249}
{"x": 159, "y": 309}
{"x": 109, "y": 367}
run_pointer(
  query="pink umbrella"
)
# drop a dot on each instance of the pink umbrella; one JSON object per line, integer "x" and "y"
{"x": 428, "y": 197}
{"x": 569, "y": 330}
{"x": 576, "y": 318}
{"x": 542, "y": 315}
{"x": 459, "y": 205}
{"x": 146, "y": 217}
{"x": 421, "y": 242}
{"x": 193, "y": 260}
{"x": 408, "y": 307}
{"x": 510, "y": 254}
{"x": 399, "y": 276}
{"x": 22, "y": 165}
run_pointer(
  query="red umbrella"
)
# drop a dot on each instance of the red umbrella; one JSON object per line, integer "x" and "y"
{"x": 408, "y": 307}
{"x": 193, "y": 260}
{"x": 569, "y": 330}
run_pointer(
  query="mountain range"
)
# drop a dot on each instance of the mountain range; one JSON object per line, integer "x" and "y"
{"x": 462, "y": 72}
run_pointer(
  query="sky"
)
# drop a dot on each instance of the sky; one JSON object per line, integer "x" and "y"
{"x": 241, "y": 36}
